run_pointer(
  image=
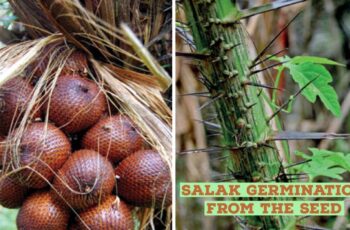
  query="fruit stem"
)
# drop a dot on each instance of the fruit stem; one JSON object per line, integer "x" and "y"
{"x": 242, "y": 110}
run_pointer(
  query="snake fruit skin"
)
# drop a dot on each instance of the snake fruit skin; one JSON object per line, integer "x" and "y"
{"x": 12, "y": 194}
{"x": 42, "y": 211}
{"x": 144, "y": 180}
{"x": 14, "y": 96}
{"x": 85, "y": 179}
{"x": 76, "y": 63}
{"x": 115, "y": 137}
{"x": 108, "y": 215}
{"x": 77, "y": 103}
{"x": 44, "y": 148}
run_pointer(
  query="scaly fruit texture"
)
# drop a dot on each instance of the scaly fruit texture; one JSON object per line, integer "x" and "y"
{"x": 43, "y": 149}
{"x": 144, "y": 180}
{"x": 76, "y": 104}
{"x": 14, "y": 97}
{"x": 42, "y": 211}
{"x": 12, "y": 194}
{"x": 110, "y": 214}
{"x": 86, "y": 179}
{"x": 115, "y": 137}
{"x": 76, "y": 63}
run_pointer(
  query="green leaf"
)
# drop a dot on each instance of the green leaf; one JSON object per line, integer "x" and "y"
{"x": 227, "y": 11}
{"x": 8, "y": 218}
{"x": 303, "y": 155}
{"x": 324, "y": 163}
{"x": 315, "y": 60}
{"x": 306, "y": 72}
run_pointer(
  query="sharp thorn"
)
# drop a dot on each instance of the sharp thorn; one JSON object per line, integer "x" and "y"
{"x": 231, "y": 46}
{"x": 199, "y": 94}
{"x": 268, "y": 7}
{"x": 269, "y": 57}
{"x": 205, "y": 81}
{"x": 186, "y": 37}
{"x": 211, "y": 150}
{"x": 305, "y": 86}
{"x": 207, "y": 103}
{"x": 197, "y": 56}
{"x": 295, "y": 174}
{"x": 295, "y": 164}
{"x": 261, "y": 85}
{"x": 251, "y": 105}
{"x": 296, "y": 179}
{"x": 209, "y": 124}
{"x": 283, "y": 177}
{"x": 266, "y": 68}
{"x": 214, "y": 135}
{"x": 285, "y": 104}
{"x": 221, "y": 158}
{"x": 274, "y": 39}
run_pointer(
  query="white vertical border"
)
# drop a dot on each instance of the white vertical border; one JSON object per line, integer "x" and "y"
{"x": 174, "y": 112}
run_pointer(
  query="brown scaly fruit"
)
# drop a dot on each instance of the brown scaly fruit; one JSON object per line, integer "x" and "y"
{"x": 12, "y": 194}
{"x": 14, "y": 96}
{"x": 85, "y": 179}
{"x": 115, "y": 137}
{"x": 44, "y": 148}
{"x": 144, "y": 180}
{"x": 42, "y": 211}
{"x": 110, "y": 214}
{"x": 76, "y": 63}
{"x": 77, "y": 103}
